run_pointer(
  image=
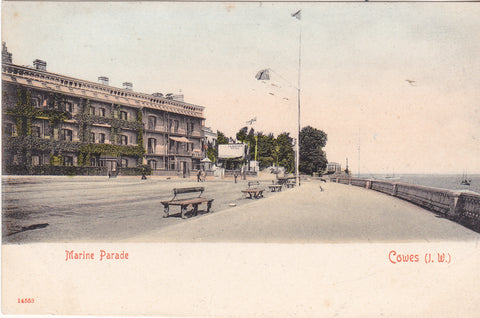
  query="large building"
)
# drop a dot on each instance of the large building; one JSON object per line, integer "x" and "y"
{"x": 55, "y": 120}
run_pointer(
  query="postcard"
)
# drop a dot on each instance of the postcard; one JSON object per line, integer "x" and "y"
{"x": 240, "y": 159}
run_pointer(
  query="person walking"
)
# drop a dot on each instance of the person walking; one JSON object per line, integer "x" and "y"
{"x": 199, "y": 175}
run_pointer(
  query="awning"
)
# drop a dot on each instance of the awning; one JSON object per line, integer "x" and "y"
{"x": 206, "y": 160}
{"x": 180, "y": 139}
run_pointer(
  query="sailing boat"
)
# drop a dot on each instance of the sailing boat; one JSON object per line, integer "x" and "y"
{"x": 465, "y": 180}
{"x": 391, "y": 177}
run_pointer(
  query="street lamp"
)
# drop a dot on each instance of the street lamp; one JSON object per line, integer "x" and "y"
{"x": 250, "y": 123}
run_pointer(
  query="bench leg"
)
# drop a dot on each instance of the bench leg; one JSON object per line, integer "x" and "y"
{"x": 195, "y": 209}
{"x": 184, "y": 210}
{"x": 209, "y": 205}
{"x": 166, "y": 209}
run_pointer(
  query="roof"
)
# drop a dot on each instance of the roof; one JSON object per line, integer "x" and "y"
{"x": 91, "y": 90}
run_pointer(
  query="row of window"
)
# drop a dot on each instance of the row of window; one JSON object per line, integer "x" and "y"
{"x": 68, "y": 161}
{"x": 173, "y": 124}
{"x": 102, "y": 113}
{"x": 66, "y": 134}
{"x": 174, "y": 146}
{"x": 170, "y": 164}
{"x": 68, "y": 106}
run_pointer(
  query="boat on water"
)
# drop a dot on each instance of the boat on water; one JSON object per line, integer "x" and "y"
{"x": 391, "y": 176}
{"x": 465, "y": 180}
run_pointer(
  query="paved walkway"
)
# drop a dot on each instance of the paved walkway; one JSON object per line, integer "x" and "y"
{"x": 341, "y": 213}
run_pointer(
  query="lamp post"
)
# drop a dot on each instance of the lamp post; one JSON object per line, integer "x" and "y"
{"x": 265, "y": 75}
{"x": 297, "y": 15}
{"x": 250, "y": 123}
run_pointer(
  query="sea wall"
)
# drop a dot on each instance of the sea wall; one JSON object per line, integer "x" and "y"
{"x": 460, "y": 206}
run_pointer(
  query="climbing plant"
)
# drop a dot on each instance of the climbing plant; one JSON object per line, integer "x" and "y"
{"x": 112, "y": 150}
{"x": 23, "y": 112}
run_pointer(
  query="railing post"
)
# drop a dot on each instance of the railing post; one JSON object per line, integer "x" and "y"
{"x": 395, "y": 190}
{"x": 456, "y": 204}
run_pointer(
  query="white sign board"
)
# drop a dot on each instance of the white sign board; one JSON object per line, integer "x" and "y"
{"x": 231, "y": 151}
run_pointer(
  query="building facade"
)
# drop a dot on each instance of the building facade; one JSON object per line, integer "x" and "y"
{"x": 56, "y": 120}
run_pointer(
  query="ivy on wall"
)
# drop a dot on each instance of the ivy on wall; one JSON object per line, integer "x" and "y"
{"x": 139, "y": 128}
{"x": 112, "y": 150}
{"x": 24, "y": 113}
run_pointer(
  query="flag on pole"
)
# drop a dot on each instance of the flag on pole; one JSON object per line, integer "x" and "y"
{"x": 263, "y": 75}
{"x": 251, "y": 121}
{"x": 297, "y": 14}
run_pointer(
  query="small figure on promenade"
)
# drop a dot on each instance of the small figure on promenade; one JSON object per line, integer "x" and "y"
{"x": 235, "y": 175}
{"x": 199, "y": 175}
{"x": 202, "y": 175}
{"x": 144, "y": 177}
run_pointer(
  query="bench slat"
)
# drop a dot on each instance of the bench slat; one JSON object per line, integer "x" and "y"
{"x": 186, "y": 201}
{"x": 188, "y": 190}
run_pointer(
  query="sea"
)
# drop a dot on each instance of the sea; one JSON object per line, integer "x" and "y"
{"x": 443, "y": 181}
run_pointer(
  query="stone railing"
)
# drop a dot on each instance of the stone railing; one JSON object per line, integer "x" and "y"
{"x": 460, "y": 206}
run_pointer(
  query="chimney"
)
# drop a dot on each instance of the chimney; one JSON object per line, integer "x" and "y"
{"x": 128, "y": 86}
{"x": 6, "y": 56}
{"x": 103, "y": 80}
{"x": 40, "y": 65}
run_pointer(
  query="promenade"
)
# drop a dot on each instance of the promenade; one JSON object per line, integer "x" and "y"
{"x": 340, "y": 213}
{"x": 126, "y": 209}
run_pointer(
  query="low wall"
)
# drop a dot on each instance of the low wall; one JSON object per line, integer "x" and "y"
{"x": 231, "y": 173}
{"x": 460, "y": 206}
{"x": 55, "y": 170}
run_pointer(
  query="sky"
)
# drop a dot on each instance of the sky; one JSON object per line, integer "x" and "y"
{"x": 356, "y": 59}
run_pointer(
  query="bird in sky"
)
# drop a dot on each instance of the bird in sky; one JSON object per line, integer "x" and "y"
{"x": 410, "y": 82}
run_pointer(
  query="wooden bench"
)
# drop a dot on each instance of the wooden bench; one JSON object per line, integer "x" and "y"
{"x": 290, "y": 184}
{"x": 254, "y": 190}
{"x": 275, "y": 186}
{"x": 284, "y": 180}
{"x": 185, "y": 202}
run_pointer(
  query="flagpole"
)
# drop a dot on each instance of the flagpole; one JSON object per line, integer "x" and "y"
{"x": 297, "y": 155}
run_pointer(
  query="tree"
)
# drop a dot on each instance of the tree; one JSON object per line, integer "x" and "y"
{"x": 242, "y": 134}
{"x": 221, "y": 138}
{"x": 285, "y": 152}
{"x": 212, "y": 153}
{"x": 312, "y": 156}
